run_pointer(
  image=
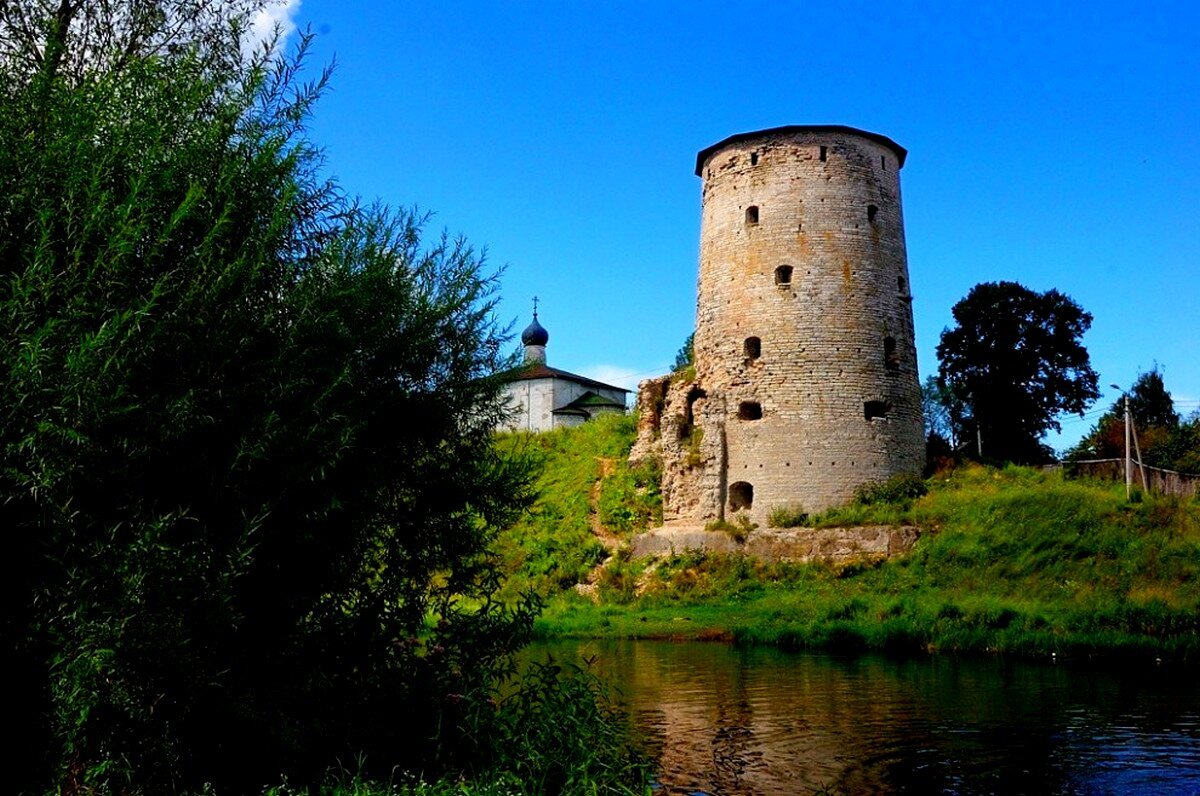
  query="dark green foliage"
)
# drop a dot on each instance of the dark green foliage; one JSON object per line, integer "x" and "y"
{"x": 739, "y": 529}
{"x": 247, "y": 478}
{"x": 1186, "y": 446}
{"x": 686, "y": 356}
{"x": 618, "y": 582}
{"x": 699, "y": 575}
{"x": 560, "y": 733}
{"x": 787, "y": 516}
{"x": 901, "y": 488}
{"x": 1163, "y": 439}
{"x": 629, "y": 496}
{"x": 556, "y": 731}
{"x": 941, "y": 409}
{"x": 887, "y": 502}
{"x": 73, "y": 40}
{"x": 1150, "y": 403}
{"x": 1015, "y": 359}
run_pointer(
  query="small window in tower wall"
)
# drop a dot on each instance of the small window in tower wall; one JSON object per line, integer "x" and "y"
{"x": 900, "y": 283}
{"x": 883, "y": 162}
{"x": 752, "y": 214}
{"x": 823, "y": 153}
{"x": 752, "y": 348}
{"x": 753, "y": 158}
{"x": 873, "y": 410}
{"x": 750, "y": 410}
{"x": 783, "y": 275}
{"x": 741, "y": 496}
{"x": 872, "y": 211}
{"x": 891, "y": 357}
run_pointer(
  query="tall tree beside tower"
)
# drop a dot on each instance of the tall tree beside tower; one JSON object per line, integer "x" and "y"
{"x": 1016, "y": 360}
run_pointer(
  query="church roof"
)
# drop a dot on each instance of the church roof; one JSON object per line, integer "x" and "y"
{"x": 540, "y": 371}
{"x": 589, "y": 399}
{"x": 570, "y": 410}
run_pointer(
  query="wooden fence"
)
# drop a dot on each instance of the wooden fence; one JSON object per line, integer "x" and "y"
{"x": 1164, "y": 482}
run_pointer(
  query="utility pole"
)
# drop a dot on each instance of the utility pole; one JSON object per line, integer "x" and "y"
{"x": 1128, "y": 468}
{"x": 1128, "y": 461}
{"x": 978, "y": 432}
{"x": 1137, "y": 449}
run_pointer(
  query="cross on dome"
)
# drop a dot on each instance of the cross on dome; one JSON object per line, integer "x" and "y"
{"x": 535, "y": 334}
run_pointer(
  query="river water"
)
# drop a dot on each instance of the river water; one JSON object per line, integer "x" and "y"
{"x": 728, "y": 721}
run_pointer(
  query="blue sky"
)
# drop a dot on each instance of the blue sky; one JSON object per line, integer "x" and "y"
{"x": 1054, "y": 144}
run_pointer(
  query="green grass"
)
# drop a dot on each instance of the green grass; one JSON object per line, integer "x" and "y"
{"x": 1013, "y": 560}
{"x": 553, "y": 547}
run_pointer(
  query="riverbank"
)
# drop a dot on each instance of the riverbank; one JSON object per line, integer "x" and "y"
{"x": 1014, "y": 560}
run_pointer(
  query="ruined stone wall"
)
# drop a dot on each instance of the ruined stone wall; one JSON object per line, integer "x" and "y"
{"x": 806, "y": 375}
{"x": 684, "y": 429}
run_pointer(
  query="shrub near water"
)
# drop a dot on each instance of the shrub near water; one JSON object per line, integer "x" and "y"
{"x": 554, "y": 732}
{"x": 247, "y": 476}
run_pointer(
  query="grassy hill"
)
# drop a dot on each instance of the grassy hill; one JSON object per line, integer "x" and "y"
{"x": 1011, "y": 560}
{"x": 588, "y": 495}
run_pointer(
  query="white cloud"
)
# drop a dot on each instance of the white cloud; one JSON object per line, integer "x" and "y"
{"x": 277, "y": 12}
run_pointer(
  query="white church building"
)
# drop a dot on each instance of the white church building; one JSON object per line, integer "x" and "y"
{"x": 542, "y": 398}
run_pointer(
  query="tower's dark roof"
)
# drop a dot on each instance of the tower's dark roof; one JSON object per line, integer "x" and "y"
{"x": 534, "y": 333}
{"x": 901, "y": 152}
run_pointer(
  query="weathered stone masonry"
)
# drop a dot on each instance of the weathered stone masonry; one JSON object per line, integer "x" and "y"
{"x": 805, "y": 382}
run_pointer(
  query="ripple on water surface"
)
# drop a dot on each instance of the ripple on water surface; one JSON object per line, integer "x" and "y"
{"x": 728, "y": 722}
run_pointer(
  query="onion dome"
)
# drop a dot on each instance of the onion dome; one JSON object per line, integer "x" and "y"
{"x": 534, "y": 333}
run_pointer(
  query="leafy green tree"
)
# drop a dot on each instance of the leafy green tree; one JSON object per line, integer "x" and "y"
{"x": 247, "y": 479}
{"x": 1016, "y": 360}
{"x": 685, "y": 357}
{"x": 941, "y": 410}
{"x": 1154, "y": 418}
{"x": 1150, "y": 403}
{"x": 72, "y": 40}
{"x": 1187, "y": 445}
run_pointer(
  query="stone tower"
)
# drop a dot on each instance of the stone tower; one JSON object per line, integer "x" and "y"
{"x": 805, "y": 379}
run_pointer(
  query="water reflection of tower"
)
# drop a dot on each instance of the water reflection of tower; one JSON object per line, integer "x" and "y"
{"x": 735, "y": 749}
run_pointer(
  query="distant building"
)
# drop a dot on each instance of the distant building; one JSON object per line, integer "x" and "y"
{"x": 542, "y": 398}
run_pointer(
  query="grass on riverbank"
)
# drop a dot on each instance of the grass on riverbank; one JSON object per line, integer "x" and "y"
{"x": 585, "y": 483}
{"x": 1014, "y": 560}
